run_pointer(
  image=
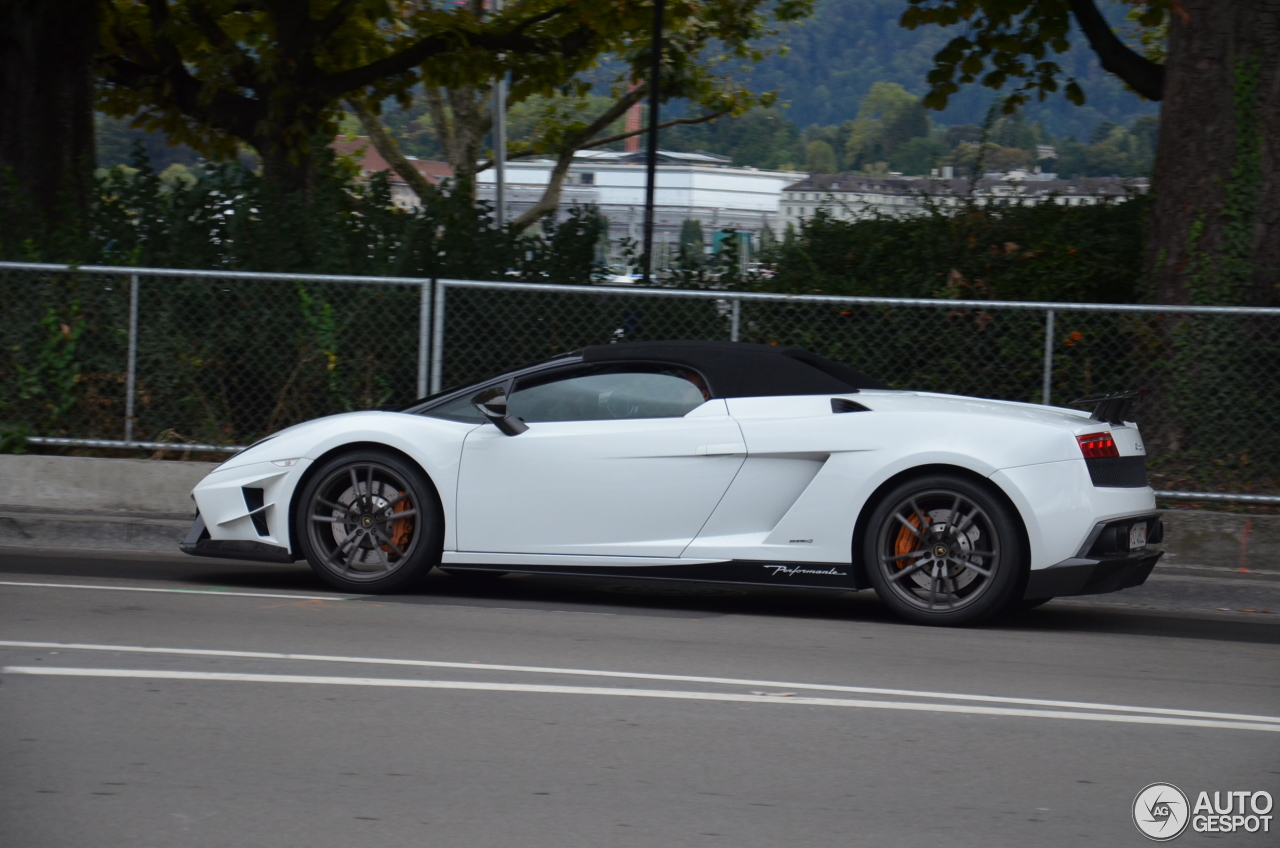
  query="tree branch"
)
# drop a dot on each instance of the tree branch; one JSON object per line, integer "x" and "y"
{"x": 582, "y": 139}
{"x": 157, "y": 71}
{"x": 384, "y": 144}
{"x": 1142, "y": 75}
{"x": 242, "y": 71}
{"x": 337, "y": 16}
{"x": 550, "y": 199}
{"x": 512, "y": 41}
{"x": 675, "y": 122}
{"x": 226, "y": 112}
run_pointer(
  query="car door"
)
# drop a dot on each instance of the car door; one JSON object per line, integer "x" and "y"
{"x": 618, "y": 461}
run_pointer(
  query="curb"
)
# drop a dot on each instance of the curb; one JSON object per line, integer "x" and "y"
{"x": 22, "y": 528}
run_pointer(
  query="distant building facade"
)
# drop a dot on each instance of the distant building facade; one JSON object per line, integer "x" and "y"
{"x": 689, "y": 185}
{"x": 854, "y": 196}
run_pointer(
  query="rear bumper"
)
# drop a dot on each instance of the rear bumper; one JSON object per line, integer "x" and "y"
{"x": 1084, "y": 576}
{"x": 198, "y": 543}
{"x": 1104, "y": 563}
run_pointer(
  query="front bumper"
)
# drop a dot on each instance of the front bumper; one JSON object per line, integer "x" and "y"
{"x": 198, "y": 543}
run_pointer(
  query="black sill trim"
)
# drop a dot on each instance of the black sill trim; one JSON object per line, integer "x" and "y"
{"x": 1118, "y": 472}
{"x": 744, "y": 572}
{"x": 1079, "y": 576}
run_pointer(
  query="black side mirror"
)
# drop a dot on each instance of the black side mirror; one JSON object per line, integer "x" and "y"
{"x": 492, "y": 404}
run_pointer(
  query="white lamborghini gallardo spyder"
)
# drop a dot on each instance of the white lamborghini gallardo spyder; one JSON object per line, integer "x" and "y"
{"x": 704, "y": 461}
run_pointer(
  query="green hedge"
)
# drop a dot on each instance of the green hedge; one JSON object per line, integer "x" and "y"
{"x": 1009, "y": 251}
{"x": 228, "y": 217}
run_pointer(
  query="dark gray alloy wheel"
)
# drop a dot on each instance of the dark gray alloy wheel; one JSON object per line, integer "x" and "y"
{"x": 369, "y": 521}
{"x": 943, "y": 550}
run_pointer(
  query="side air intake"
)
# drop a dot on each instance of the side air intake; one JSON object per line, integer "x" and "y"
{"x": 254, "y": 500}
{"x": 839, "y": 405}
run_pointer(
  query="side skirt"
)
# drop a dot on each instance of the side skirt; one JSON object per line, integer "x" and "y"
{"x": 744, "y": 572}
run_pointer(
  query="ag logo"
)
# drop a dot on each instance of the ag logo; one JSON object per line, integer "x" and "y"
{"x": 1161, "y": 812}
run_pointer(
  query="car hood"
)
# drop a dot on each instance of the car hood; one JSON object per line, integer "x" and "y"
{"x": 294, "y": 441}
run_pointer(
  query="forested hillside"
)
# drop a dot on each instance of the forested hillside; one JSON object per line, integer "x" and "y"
{"x": 849, "y": 45}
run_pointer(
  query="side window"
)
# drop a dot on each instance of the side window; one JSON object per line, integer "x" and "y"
{"x": 668, "y": 393}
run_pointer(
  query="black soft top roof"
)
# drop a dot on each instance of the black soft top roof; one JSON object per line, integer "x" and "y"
{"x": 737, "y": 369}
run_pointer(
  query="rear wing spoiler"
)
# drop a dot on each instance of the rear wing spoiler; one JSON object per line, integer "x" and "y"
{"x": 1112, "y": 408}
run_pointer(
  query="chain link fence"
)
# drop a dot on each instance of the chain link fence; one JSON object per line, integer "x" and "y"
{"x": 119, "y": 358}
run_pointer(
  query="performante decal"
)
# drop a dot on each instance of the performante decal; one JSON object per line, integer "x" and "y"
{"x": 791, "y": 571}
{"x": 753, "y": 572}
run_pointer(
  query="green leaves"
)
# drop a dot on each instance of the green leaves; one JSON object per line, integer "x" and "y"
{"x": 219, "y": 74}
{"x": 1000, "y": 37}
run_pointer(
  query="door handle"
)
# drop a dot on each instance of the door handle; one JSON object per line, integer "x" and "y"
{"x": 731, "y": 449}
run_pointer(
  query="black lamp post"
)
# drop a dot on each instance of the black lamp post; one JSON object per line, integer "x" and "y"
{"x": 655, "y": 74}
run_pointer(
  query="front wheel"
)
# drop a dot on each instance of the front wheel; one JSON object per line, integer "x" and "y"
{"x": 370, "y": 521}
{"x": 943, "y": 550}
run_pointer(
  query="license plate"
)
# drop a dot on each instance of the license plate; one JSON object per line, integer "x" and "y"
{"x": 1138, "y": 536}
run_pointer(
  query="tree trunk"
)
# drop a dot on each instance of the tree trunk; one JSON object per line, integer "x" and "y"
{"x": 1215, "y": 229}
{"x": 46, "y": 101}
{"x": 284, "y": 172}
{"x": 461, "y": 129}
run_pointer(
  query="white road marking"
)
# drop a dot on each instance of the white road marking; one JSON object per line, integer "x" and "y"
{"x": 671, "y": 694}
{"x": 219, "y": 592}
{"x": 675, "y": 678}
{"x": 229, "y": 593}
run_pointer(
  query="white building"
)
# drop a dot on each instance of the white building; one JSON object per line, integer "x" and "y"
{"x": 853, "y": 196}
{"x": 688, "y": 185}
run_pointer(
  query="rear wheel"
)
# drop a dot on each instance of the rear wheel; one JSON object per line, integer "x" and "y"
{"x": 942, "y": 549}
{"x": 369, "y": 521}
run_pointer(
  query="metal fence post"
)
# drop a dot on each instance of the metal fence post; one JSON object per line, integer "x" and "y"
{"x": 1048, "y": 358}
{"x": 437, "y": 339}
{"x": 430, "y": 340}
{"x": 424, "y": 339}
{"x": 131, "y": 369}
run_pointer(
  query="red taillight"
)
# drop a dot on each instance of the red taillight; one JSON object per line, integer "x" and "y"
{"x": 1097, "y": 446}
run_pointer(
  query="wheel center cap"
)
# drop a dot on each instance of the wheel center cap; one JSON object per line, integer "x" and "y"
{"x": 940, "y": 551}
{"x": 366, "y": 521}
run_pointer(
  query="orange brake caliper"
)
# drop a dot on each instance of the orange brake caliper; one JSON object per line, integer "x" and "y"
{"x": 401, "y": 528}
{"x": 906, "y": 542}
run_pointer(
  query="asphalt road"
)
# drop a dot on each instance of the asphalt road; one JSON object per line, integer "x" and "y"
{"x": 535, "y": 712}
